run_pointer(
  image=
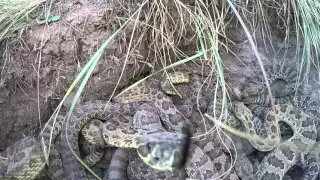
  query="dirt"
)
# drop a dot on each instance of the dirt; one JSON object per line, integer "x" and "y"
{"x": 40, "y": 65}
{"x": 38, "y": 68}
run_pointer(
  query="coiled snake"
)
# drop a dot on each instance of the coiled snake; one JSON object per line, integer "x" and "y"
{"x": 26, "y": 159}
{"x": 289, "y": 109}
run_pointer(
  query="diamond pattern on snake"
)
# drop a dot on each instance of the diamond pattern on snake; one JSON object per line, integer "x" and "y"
{"x": 218, "y": 149}
{"x": 283, "y": 81}
{"x": 238, "y": 148}
{"x": 26, "y": 158}
{"x": 296, "y": 113}
{"x": 151, "y": 92}
{"x": 301, "y": 100}
{"x": 85, "y": 112}
{"x": 99, "y": 161}
{"x": 142, "y": 123}
{"x": 218, "y": 145}
{"x": 287, "y": 153}
{"x": 201, "y": 153}
{"x": 117, "y": 132}
{"x": 199, "y": 165}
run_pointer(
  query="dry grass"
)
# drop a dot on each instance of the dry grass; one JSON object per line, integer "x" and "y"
{"x": 293, "y": 20}
{"x": 14, "y": 15}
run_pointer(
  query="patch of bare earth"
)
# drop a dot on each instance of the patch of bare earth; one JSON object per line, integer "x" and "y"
{"x": 38, "y": 67}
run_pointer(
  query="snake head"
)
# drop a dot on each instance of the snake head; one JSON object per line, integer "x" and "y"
{"x": 253, "y": 89}
{"x": 241, "y": 111}
{"x": 164, "y": 151}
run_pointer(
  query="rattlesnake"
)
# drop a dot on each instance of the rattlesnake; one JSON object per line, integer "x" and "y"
{"x": 26, "y": 158}
{"x": 170, "y": 112}
{"x": 295, "y": 112}
{"x": 287, "y": 153}
{"x": 149, "y": 91}
{"x": 201, "y": 96}
{"x": 283, "y": 81}
{"x": 83, "y": 114}
{"x": 281, "y": 95}
{"x": 118, "y": 137}
{"x": 145, "y": 121}
{"x": 217, "y": 144}
{"x": 198, "y": 166}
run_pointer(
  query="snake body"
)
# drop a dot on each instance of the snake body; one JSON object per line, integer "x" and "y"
{"x": 282, "y": 80}
{"x": 287, "y": 153}
{"x": 152, "y": 144}
{"x": 170, "y": 116}
{"x": 153, "y": 91}
{"x": 296, "y": 111}
{"x": 26, "y": 158}
{"x": 198, "y": 166}
{"x": 169, "y": 145}
{"x": 118, "y": 137}
{"x": 150, "y": 92}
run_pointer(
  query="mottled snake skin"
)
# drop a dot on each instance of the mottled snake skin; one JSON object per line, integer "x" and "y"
{"x": 26, "y": 158}
{"x": 116, "y": 137}
{"x": 136, "y": 121}
{"x": 282, "y": 80}
{"x": 287, "y": 153}
{"x": 199, "y": 165}
{"x": 145, "y": 93}
{"x": 171, "y": 117}
{"x": 302, "y": 116}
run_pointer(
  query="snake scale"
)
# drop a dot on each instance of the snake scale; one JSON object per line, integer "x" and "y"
{"x": 299, "y": 112}
{"x": 114, "y": 135}
{"x": 84, "y": 113}
{"x": 171, "y": 146}
{"x": 145, "y": 93}
{"x": 26, "y": 159}
{"x": 274, "y": 165}
{"x": 146, "y": 120}
{"x": 287, "y": 153}
{"x": 151, "y": 91}
{"x": 199, "y": 165}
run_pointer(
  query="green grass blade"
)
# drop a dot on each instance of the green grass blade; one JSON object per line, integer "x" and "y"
{"x": 87, "y": 71}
